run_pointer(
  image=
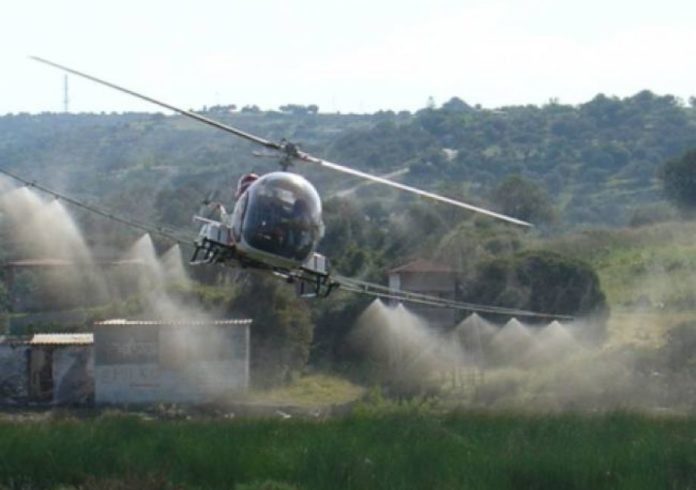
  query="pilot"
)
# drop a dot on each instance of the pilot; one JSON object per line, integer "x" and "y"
{"x": 244, "y": 182}
{"x": 299, "y": 230}
{"x": 300, "y": 212}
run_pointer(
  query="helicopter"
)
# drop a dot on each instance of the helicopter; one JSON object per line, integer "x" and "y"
{"x": 276, "y": 222}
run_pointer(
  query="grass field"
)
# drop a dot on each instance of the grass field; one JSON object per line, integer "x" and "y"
{"x": 649, "y": 275}
{"x": 652, "y": 266}
{"x": 308, "y": 391}
{"x": 397, "y": 449}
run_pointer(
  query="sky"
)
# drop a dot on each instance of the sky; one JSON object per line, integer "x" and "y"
{"x": 357, "y": 56}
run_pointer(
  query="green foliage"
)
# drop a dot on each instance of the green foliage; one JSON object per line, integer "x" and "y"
{"x": 523, "y": 199}
{"x": 540, "y": 281}
{"x": 387, "y": 144}
{"x": 335, "y": 318}
{"x": 679, "y": 351}
{"x": 299, "y": 110}
{"x": 597, "y": 160}
{"x": 651, "y": 214}
{"x": 265, "y": 485}
{"x": 376, "y": 404}
{"x": 347, "y": 237}
{"x": 652, "y": 265}
{"x": 402, "y": 450}
{"x": 455, "y": 104}
{"x": 364, "y": 240}
{"x": 313, "y": 390}
{"x": 679, "y": 181}
{"x": 282, "y": 329}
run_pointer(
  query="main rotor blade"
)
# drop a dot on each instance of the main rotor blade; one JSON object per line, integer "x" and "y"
{"x": 414, "y": 190}
{"x": 288, "y": 150}
{"x": 351, "y": 190}
{"x": 183, "y": 112}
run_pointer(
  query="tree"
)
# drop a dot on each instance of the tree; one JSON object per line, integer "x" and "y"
{"x": 520, "y": 198}
{"x": 335, "y": 319}
{"x": 679, "y": 181}
{"x": 281, "y": 334}
{"x": 651, "y": 214}
{"x": 679, "y": 350}
{"x": 219, "y": 109}
{"x": 455, "y": 104}
{"x": 299, "y": 110}
{"x": 541, "y": 281}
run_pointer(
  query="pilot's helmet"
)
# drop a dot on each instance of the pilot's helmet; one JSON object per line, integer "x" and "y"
{"x": 244, "y": 182}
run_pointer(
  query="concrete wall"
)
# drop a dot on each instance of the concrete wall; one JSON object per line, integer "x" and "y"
{"x": 14, "y": 377}
{"x": 73, "y": 374}
{"x": 41, "y": 374}
{"x": 165, "y": 363}
{"x": 46, "y": 374}
{"x": 61, "y": 374}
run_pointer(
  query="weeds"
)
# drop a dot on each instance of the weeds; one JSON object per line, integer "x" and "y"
{"x": 383, "y": 445}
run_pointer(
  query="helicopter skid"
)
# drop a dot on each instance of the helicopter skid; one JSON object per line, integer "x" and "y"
{"x": 211, "y": 252}
{"x": 311, "y": 279}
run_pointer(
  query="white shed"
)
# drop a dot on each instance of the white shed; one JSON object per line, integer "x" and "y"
{"x": 178, "y": 362}
{"x": 47, "y": 368}
{"x": 61, "y": 371}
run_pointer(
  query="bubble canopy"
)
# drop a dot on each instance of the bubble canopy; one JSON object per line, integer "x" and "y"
{"x": 282, "y": 216}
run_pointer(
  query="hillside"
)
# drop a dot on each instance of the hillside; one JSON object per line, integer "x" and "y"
{"x": 648, "y": 274}
{"x": 598, "y": 161}
{"x": 158, "y": 168}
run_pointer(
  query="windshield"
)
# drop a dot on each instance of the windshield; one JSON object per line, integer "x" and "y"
{"x": 283, "y": 216}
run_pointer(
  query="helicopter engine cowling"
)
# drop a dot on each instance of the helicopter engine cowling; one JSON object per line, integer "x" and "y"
{"x": 278, "y": 219}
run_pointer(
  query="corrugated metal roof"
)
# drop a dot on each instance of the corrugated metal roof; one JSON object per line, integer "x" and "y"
{"x": 49, "y": 262}
{"x": 37, "y": 263}
{"x": 120, "y": 322}
{"x": 62, "y": 339}
{"x": 14, "y": 340}
{"x": 422, "y": 265}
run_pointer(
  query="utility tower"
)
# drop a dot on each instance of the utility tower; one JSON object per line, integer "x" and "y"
{"x": 66, "y": 98}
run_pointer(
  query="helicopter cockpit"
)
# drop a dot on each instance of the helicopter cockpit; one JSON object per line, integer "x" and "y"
{"x": 281, "y": 216}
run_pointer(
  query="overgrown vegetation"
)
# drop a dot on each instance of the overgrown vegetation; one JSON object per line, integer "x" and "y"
{"x": 565, "y": 167}
{"x": 541, "y": 281}
{"x": 679, "y": 180}
{"x": 598, "y": 161}
{"x": 407, "y": 448}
